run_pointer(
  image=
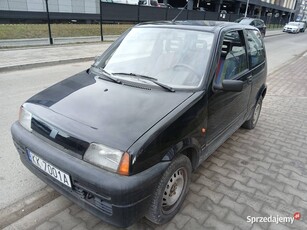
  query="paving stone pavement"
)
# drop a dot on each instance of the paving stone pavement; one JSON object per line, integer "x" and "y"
{"x": 258, "y": 173}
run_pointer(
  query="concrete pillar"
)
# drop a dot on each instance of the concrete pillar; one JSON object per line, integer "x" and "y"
{"x": 251, "y": 9}
{"x": 238, "y": 6}
{"x": 218, "y": 5}
{"x": 190, "y": 4}
{"x": 263, "y": 11}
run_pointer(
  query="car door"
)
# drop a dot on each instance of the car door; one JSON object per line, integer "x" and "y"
{"x": 227, "y": 110}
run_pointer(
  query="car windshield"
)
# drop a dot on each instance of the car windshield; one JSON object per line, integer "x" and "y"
{"x": 175, "y": 57}
{"x": 293, "y": 24}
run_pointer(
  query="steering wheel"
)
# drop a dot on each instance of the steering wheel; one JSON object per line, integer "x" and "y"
{"x": 192, "y": 78}
{"x": 187, "y": 67}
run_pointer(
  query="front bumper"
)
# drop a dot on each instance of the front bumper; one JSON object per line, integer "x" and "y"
{"x": 290, "y": 30}
{"x": 119, "y": 200}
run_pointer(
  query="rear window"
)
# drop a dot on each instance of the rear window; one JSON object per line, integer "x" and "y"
{"x": 245, "y": 21}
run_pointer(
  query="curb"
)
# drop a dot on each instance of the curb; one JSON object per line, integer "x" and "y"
{"x": 44, "y": 64}
{"x": 290, "y": 61}
{"x": 273, "y": 35}
{"x": 27, "y": 205}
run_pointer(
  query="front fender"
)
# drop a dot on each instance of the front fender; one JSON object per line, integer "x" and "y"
{"x": 189, "y": 147}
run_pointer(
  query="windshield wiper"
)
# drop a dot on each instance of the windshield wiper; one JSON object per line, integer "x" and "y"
{"x": 108, "y": 75}
{"x": 154, "y": 80}
{"x": 136, "y": 75}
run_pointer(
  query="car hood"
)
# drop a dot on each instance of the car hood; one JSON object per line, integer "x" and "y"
{"x": 105, "y": 112}
{"x": 291, "y": 27}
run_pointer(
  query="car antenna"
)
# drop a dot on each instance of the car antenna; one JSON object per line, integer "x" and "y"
{"x": 180, "y": 12}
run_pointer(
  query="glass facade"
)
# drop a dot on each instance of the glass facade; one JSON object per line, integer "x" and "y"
{"x": 301, "y": 10}
{"x": 290, "y": 4}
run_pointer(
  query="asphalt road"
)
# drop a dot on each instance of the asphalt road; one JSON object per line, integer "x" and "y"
{"x": 17, "y": 86}
{"x": 282, "y": 48}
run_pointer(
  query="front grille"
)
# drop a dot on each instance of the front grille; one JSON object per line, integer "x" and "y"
{"x": 103, "y": 206}
{"x": 93, "y": 199}
{"x": 59, "y": 137}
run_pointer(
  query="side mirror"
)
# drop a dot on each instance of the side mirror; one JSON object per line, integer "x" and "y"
{"x": 230, "y": 85}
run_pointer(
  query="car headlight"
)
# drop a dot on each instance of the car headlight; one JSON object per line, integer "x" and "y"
{"x": 110, "y": 159}
{"x": 25, "y": 118}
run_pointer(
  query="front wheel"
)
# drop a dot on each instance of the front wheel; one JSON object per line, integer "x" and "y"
{"x": 252, "y": 122}
{"x": 171, "y": 191}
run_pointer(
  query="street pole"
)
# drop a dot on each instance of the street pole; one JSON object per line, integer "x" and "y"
{"x": 290, "y": 16}
{"x": 101, "y": 32}
{"x": 49, "y": 28}
{"x": 246, "y": 8}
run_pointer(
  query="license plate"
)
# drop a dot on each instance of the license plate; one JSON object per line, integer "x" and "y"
{"x": 49, "y": 169}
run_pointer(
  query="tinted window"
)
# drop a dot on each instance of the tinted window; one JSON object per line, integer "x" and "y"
{"x": 233, "y": 59}
{"x": 255, "y": 46}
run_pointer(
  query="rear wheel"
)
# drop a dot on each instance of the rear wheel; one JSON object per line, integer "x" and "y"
{"x": 252, "y": 122}
{"x": 171, "y": 191}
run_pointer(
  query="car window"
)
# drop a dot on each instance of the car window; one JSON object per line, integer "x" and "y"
{"x": 245, "y": 21}
{"x": 175, "y": 57}
{"x": 293, "y": 23}
{"x": 255, "y": 47}
{"x": 233, "y": 59}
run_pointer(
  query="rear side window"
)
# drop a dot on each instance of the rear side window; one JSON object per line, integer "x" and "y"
{"x": 255, "y": 47}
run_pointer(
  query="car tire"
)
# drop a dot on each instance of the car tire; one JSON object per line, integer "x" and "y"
{"x": 252, "y": 122}
{"x": 171, "y": 191}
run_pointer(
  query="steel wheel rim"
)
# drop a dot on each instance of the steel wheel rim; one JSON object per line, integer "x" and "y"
{"x": 174, "y": 189}
{"x": 256, "y": 114}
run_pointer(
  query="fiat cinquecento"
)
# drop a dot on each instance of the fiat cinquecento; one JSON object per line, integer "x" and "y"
{"x": 122, "y": 138}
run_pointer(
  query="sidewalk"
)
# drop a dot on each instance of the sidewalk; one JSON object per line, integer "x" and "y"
{"x": 12, "y": 59}
{"x": 20, "y": 58}
{"x": 255, "y": 173}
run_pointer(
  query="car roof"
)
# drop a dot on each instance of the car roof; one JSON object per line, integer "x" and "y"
{"x": 203, "y": 25}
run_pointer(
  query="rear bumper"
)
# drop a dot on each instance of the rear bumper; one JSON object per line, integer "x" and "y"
{"x": 119, "y": 200}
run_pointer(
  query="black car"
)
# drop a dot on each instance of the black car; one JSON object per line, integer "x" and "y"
{"x": 122, "y": 137}
{"x": 258, "y": 23}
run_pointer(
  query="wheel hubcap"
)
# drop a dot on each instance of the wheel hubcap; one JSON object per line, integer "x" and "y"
{"x": 173, "y": 190}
